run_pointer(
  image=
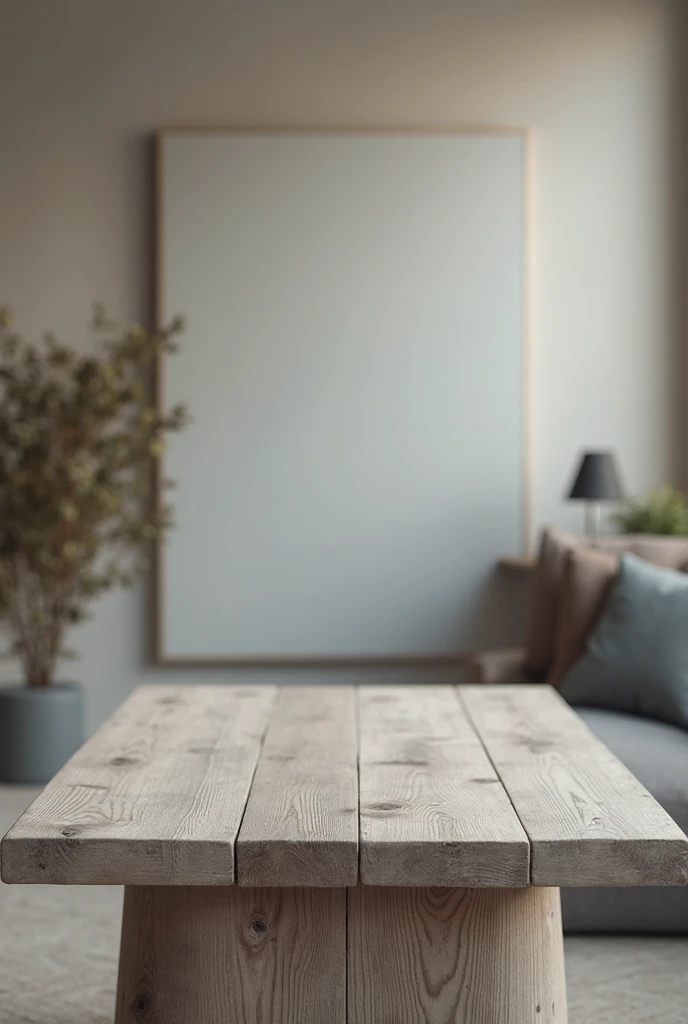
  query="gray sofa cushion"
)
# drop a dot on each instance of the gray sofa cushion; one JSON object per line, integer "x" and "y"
{"x": 657, "y": 754}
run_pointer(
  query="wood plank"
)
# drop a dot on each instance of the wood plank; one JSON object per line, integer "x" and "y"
{"x": 301, "y": 821}
{"x": 433, "y": 811}
{"x": 215, "y": 955}
{"x": 155, "y": 797}
{"x": 455, "y": 956}
{"x": 589, "y": 820}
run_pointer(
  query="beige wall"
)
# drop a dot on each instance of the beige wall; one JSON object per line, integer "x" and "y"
{"x": 84, "y": 82}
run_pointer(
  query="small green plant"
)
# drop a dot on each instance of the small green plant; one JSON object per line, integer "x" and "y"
{"x": 664, "y": 511}
{"x": 79, "y": 441}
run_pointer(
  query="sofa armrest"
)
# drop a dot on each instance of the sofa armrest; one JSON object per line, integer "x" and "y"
{"x": 506, "y": 665}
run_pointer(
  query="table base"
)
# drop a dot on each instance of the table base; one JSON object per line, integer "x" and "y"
{"x": 366, "y": 955}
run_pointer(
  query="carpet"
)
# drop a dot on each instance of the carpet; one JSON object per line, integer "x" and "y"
{"x": 59, "y": 946}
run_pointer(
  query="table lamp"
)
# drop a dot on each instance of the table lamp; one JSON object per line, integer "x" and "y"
{"x": 597, "y": 480}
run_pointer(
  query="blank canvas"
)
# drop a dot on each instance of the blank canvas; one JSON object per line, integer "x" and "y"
{"x": 354, "y": 365}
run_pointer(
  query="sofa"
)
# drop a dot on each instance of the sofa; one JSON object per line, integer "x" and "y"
{"x": 655, "y": 752}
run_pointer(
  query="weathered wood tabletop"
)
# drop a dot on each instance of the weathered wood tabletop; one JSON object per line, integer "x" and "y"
{"x": 329, "y": 786}
{"x": 355, "y": 856}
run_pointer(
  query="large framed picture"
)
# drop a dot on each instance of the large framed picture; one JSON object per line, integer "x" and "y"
{"x": 356, "y": 367}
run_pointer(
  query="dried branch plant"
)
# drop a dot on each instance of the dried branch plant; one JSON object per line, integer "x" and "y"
{"x": 79, "y": 440}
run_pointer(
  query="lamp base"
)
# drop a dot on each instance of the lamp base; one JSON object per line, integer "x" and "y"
{"x": 592, "y": 521}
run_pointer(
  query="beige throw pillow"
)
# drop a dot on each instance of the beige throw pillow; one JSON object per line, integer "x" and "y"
{"x": 548, "y": 576}
{"x": 588, "y": 576}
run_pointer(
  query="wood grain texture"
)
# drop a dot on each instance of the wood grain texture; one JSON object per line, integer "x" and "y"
{"x": 433, "y": 811}
{"x": 221, "y": 955}
{"x": 301, "y": 821}
{"x": 155, "y": 797}
{"x": 589, "y": 820}
{"x": 455, "y": 956}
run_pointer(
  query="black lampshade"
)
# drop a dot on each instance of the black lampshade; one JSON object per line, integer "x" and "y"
{"x": 597, "y": 478}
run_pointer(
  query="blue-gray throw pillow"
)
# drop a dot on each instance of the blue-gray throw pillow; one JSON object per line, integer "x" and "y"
{"x": 637, "y": 655}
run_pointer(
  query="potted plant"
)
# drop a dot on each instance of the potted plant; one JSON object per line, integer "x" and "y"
{"x": 79, "y": 441}
{"x": 664, "y": 511}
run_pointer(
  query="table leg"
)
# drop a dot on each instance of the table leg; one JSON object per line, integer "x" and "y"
{"x": 455, "y": 956}
{"x": 215, "y": 955}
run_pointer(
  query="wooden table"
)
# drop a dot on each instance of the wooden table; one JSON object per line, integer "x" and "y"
{"x": 386, "y": 855}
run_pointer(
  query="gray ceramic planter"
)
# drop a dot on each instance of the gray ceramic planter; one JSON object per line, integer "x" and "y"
{"x": 40, "y": 729}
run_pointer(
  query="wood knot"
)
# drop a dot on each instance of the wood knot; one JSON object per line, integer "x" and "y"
{"x": 69, "y": 832}
{"x": 537, "y": 746}
{"x": 258, "y": 928}
{"x": 385, "y": 807}
{"x": 119, "y": 762}
{"x": 140, "y": 1005}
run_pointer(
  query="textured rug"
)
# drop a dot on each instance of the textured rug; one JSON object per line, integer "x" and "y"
{"x": 58, "y": 959}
